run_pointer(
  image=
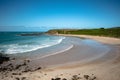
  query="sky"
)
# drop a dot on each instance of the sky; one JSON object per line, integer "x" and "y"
{"x": 42, "y": 15}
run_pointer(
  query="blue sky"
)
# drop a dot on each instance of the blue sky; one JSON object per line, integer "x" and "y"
{"x": 40, "y": 15}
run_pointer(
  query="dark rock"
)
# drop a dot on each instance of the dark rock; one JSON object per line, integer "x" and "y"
{"x": 93, "y": 78}
{"x": 18, "y": 66}
{"x": 17, "y": 78}
{"x": 3, "y": 69}
{"x": 39, "y": 68}
{"x": 9, "y": 67}
{"x": 30, "y": 34}
{"x": 27, "y": 70}
{"x": 58, "y": 79}
{"x": 11, "y": 76}
{"x": 64, "y": 79}
{"x": 3, "y": 58}
{"x": 24, "y": 64}
{"x": 16, "y": 73}
{"x": 9, "y": 64}
{"x": 86, "y": 76}
{"x": 52, "y": 79}
{"x": 19, "y": 74}
{"x": 23, "y": 78}
{"x": 75, "y": 77}
{"x": 45, "y": 74}
{"x": 78, "y": 74}
{"x": 27, "y": 60}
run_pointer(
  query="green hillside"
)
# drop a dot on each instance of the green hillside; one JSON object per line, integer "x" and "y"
{"x": 111, "y": 32}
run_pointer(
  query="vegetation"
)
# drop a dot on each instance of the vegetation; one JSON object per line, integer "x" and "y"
{"x": 111, "y": 32}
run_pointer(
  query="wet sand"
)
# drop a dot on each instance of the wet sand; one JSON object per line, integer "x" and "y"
{"x": 104, "y": 66}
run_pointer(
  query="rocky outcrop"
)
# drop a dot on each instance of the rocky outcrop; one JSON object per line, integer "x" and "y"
{"x": 30, "y": 34}
{"x": 3, "y": 58}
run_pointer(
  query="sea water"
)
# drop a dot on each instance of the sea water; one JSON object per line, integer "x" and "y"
{"x": 14, "y": 42}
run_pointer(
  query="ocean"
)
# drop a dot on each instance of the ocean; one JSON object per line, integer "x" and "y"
{"x": 21, "y": 42}
{"x": 35, "y": 46}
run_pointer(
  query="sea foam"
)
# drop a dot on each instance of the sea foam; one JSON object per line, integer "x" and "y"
{"x": 28, "y": 45}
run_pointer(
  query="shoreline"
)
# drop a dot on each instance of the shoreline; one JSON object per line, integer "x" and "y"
{"x": 100, "y": 67}
{"x": 57, "y": 52}
{"x": 105, "y": 40}
{"x": 81, "y": 51}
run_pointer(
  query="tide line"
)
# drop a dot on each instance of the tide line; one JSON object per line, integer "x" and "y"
{"x": 55, "y": 53}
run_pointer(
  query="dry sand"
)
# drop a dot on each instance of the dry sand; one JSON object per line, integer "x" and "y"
{"x": 106, "y": 67}
{"x": 106, "y": 40}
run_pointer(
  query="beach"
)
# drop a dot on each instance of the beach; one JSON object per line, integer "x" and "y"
{"x": 96, "y": 57}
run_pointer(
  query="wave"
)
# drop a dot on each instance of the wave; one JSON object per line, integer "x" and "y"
{"x": 70, "y": 47}
{"x": 22, "y": 48}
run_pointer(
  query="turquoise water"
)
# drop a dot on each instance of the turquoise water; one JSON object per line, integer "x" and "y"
{"x": 13, "y": 42}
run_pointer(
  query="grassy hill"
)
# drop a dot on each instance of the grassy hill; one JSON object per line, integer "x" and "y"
{"x": 111, "y": 32}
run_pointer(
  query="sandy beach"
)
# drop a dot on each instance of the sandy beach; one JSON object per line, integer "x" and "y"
{"x": 70, "y": 64}
{"x": 106, "y": 40}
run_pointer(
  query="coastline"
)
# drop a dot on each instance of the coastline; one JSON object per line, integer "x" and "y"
{"x": 100, "y": 67}
{"x": 102, "y": 39}
{"x": 105, "y": 67}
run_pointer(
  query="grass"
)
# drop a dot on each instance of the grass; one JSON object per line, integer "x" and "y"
{"x": 110, "y": 32}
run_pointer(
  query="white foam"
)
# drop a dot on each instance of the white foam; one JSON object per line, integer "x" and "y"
{"x": 16, "y": 48}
